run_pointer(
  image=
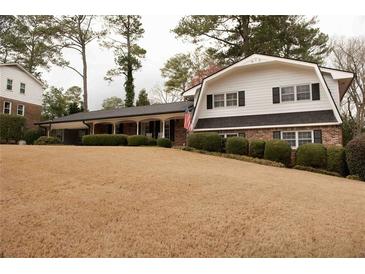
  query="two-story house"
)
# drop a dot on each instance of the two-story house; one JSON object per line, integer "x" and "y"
{"x": 20, "y": 93}
{"x": 259, "y": 97}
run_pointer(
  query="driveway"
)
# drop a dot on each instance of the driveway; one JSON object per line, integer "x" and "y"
{"x": 68, "y": 201}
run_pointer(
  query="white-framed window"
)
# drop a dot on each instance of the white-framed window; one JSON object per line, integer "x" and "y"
{"x": 7, "y": 107}
{"x": 22, "y": 88}
{"x": 9, "y": 84}
{"x": 287, "y": 94}
{"x": 303, "y": 92}
{"x": 297, "y": 138}
{"x": 218, "y": 100}
{"x": 228, "y": 134}
{"x": 231, "y": 99}
{"x": 20, "y": 110}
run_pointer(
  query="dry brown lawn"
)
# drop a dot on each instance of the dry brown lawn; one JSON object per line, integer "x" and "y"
{"x": 66, "y": 201}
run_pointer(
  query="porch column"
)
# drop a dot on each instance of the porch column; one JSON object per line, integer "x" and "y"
{"x": 49, "y": 130}
{"x": 114, "y": 128}
{"x": 137, "y": 128}
{"x": 163, "y": 128}
{"x": 93, "y": 129}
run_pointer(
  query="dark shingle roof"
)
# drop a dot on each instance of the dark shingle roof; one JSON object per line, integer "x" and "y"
{"x": 308, "y": 117}
{"x": 123, "y": 112}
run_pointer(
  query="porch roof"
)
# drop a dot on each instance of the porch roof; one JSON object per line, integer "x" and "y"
{"x": 122, "y": 112}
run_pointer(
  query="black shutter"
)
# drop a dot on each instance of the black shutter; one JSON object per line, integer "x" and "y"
{"x": 276, "y": 95}
{"x": 315, "y": 92}
{"x": 276, "y": 135}
{"x": 241, "y": 98}
{"x": 172, "y": 130}
{"x": 209, "y": 101}
{"x": 121, "y": 128}
{"x": 317, "y": 136}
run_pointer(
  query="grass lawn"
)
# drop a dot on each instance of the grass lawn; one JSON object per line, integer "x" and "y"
{"x": 66, "y": 201}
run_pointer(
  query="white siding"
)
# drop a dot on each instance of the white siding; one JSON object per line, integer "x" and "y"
{"x": 33, "y": 90}
{"x": 333, "y": 87}
{"x": 258, "y": 83}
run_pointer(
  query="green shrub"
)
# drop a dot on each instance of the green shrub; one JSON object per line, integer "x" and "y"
{"x": 317, "y": 170}
{"x": 137, "y": 140}
{"x": 278, "y": 151}
{"x": 151, "y": 141}
{"x": 104, "y": 140}
{"x": 11, "y": 127}
{"x": 164, "y": 142}
{"x": 336, "y": 160}
{"x": 355, "y": 156}
{"x": 44, "y": 140}
{"x": 313, "y": 155}
{"x": 206, "y": 141}
{"x": 353, "y": 177}
{"x": 257, "y": 148}
{"x": 31, "y": 135}
{"x": 237, "y": 145}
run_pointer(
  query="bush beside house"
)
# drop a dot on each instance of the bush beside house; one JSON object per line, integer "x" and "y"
{"x": 278, "y": 151}
{"x": 44, "y": 140}
{"x": 151, "y": 141}
{"x": 164, "y": 142}
{"x": 312, "y": 155}
{"x": 31, "y": 135}
{"x": 257, "y": 148}
{"x": 137, "y": 140}
{"x": 104, "y": 140}
{"x": 355, "y": 156}
{"x": 237, "y": 145}
{"x": 205, "y": 141}
{"x": 336, "y": 160}
{"x": 11, "y": 127}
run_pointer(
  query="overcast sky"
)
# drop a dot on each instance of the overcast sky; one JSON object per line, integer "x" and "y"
{"x": 160, "y": 44}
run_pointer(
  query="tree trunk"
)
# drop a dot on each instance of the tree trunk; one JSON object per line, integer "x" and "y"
{"x": 129, "y": 87}
{"x": 84, "y": 78}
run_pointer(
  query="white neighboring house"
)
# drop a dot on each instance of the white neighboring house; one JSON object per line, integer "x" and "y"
{"x": 268, "y": 97}
{"x": 20, "y": 93}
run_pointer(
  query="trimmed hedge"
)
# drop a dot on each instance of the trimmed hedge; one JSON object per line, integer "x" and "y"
{"x": 313, "y": 155}
{"x": 31, "y": 135}
{"x": 137, "y": 140}
{"x": 237, "y": 145}
{"x": 151, "y": 141}
{"x": 257, "y": 148}
{"x": 44, "y": 140}
{"x": 278, "y": 151}
{"x": 355, "y": 156}
{"x": 317, "y": 170}
{"x": 11, "y": 127}
{"x": 336, "y": 160}
{"x": 164, "y": 142}
{"x": 104, "y": 140}
{"x": 205, "y": 141}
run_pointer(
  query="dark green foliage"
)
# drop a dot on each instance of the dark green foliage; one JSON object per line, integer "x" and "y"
{"x": 257, "y": 148}
{"x": 278, "y": 151}
{"x": 205, "y": 141}
{"x": 31, "y": 135}
{"x": 151, "y": 141}
{"x": 137, "y": 140}
{"x": 317, "y": 170}
{"x": 348, "y": 129}
{"x": 336, "y": 160}
{"x": 355, "y": 156}
{"x": 237, "y": 145}
{"x": 143, "y": 98}
{"x": 313, "y": 155}
{"x": 11, "y": 127}
{"x": 44, "y": 140}
{"x": 105, "y": 140}
{"x": 164, "y": 142}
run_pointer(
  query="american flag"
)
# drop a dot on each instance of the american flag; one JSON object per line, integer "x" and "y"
{"x": 187, "y": 119}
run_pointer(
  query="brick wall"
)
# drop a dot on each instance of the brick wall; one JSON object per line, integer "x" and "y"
{"x": 32, "y": 112}
{"x": 180, "y": 133}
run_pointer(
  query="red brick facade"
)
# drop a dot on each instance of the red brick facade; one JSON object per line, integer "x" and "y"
{"x": 180, "y": 133}
{"x": 32, "y": 112}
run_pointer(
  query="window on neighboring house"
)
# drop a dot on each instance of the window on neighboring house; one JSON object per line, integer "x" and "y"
{"x": 287, "y": 94}
{"x": 231, "y": 99}
{"x": 218, "y": 100}
{"x": 290, "y": 137}
{"x": 9, "y": 84}
{"x": 304, "y": 137}
{"x": 20, "y": 110}
{"x": 22, "y": 88}
{"x": 7, "y": 107}
{"x": 303, "y": 92}
{"x": 228, "y": 134}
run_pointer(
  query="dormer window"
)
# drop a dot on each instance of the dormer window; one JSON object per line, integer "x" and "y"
{"x": 22, "y": 88}
{"x": 9, "y": 84}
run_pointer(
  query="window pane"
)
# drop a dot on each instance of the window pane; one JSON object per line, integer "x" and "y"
{"x": 303, "y": 92}
{"x": 287, "y": 94}
{"x": 290, "y": 138}
{"x": 218, "y": 100}
{"x": 304, "y": 137}
{"x": 9, "y": 84}
{"x": 231, "y": 99}
{"x": 22, "y": 88}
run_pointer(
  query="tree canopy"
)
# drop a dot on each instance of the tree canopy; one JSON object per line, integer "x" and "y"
{"x": 143, "y": 98}
{"x": 113, "y": 103}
